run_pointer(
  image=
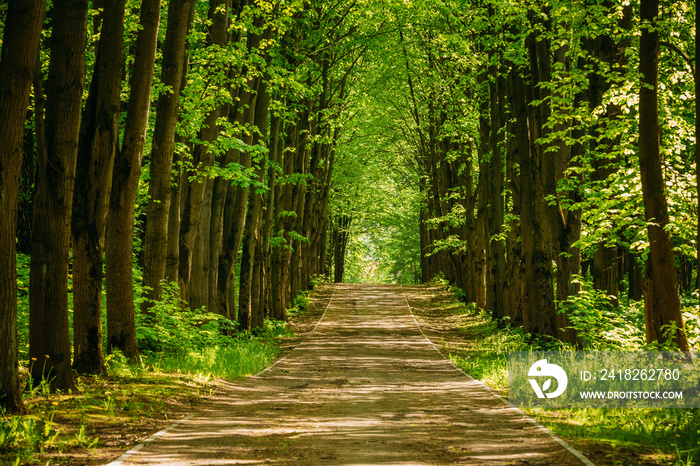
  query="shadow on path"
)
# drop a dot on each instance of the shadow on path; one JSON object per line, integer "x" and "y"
{"x": 366, "y": 388}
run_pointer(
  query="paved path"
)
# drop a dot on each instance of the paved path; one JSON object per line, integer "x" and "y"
{"x": 366, "y": 388}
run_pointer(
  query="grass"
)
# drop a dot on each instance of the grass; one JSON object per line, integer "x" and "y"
{"x": 609, "y": 436}
{"x": 183, "y": 353}
{"x": 242, "y": 355}
{"x": 105, "y": 411}
{"x": 105, "y": 414}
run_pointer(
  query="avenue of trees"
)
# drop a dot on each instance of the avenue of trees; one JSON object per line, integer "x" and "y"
{"x": 241, "y": 148}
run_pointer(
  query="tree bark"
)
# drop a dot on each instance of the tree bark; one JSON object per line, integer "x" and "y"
{"x": 119, "y": 238}
{"x": 497, "y": 259}
{"x": 155, "y": 245}
{"x": 250, "y": 315}
{"x": 96, "y": 154}
{"x": 195, "y": 223}
{"x": 49, "y": 340}
{"x": 341, "y": 235}
{"x": 662, "y": 299}
{"x": 18, "y": 63}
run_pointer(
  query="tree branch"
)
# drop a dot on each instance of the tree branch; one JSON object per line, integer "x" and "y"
{"x": 685, "y": 57}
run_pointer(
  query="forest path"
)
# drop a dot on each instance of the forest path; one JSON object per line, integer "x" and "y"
{"x": 365, "y": 388}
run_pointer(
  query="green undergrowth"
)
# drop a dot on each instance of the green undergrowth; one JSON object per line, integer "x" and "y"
{"x": 618, "y": 436}
{"x": 181, "y": 354}
{"x": 118, "y": 409}
{"x": 60, "y": 427}
{"x": 236, "y": 356}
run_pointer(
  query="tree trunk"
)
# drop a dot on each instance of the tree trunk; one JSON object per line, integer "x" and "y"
{"x": 20, "y": 48}
{"x": 482, "y": 244}
{"x": 539, "y": 313}
{"x": 250, "y": 315}
{"x": 155, "y": 244}
{"x": 276, "y": 152}
{"x": 497, "y": 252}
{"x": 96, "y": 153}
{"x": 662, "y": 305}
{"x": 119, "y": 238}
{"x": 195, "y": 224}
{"x": 341, "y": 233}
{"x": 49, "y": 340}
{"x": 283, "y": 253}
{"x": 172, "y": 258}
{"x": 234, "y": 212}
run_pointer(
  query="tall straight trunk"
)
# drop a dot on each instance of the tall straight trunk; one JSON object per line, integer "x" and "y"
{"x": 482, "y": 244}
{"x": 497, "y": 259}
{"x": 283, "y": 253}
{"x": 539, "y": 313}
{"x": 198, "y": 290}
{"x": 194, "y": 191}
{"x": 234, "y": 212}
{"x": 278, "y": 309}
{"x": 155, "y": 244}
{"x": 564, "y": 224}
{"x": 250, "y": 313}
{"x": 276, "y": 150}
{"x": 96, "y": 154}
{"x": 301, "y": 166}
{"x": 172, "y": 258}
{"x": 468, "y": 231}
{"x": 341, "y": 227}
{"x": 514, "y": 308}
{"x": 20, "y": 49}
{"x": 425, "y": 271}
{"x": 26, "y": 184}
{"x": 119, "y": 237}
{"x": 662, "y": 305}
{"x": 49, "y": 340}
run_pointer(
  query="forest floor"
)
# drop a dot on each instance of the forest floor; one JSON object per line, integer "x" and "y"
{"x": 381, "y": 398}
{"x": 366, "y": 387}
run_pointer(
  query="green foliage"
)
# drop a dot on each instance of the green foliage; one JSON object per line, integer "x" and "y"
{"x": 23, "y": 436}
{"x": 170, "y": 325}
{"x": 317, "y": 280}
{"x": 23, "y": 262}
{"x": 489, "y": 363}
{"x": 173, "y": 338}
{"x": 665, "y": 433}
{"x": 300, "y": 305}
{"x": 601, "y": 324}
{"x": 242, "y": 356}
{"x": 459, "y": 294}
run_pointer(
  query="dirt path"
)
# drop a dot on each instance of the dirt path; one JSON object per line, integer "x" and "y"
{"x": 365, "y": 388}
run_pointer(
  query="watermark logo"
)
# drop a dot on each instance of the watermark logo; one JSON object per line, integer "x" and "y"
{"x": 542, "y": 368}
{"x": 616, "y": 379}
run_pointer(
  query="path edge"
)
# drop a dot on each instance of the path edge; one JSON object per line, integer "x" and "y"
{"x": 302, "y": 340}
{"x": 124, "y": 458}
{"x": 580, "y": 456}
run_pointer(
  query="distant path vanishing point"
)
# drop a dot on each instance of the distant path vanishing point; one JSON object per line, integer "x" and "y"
{"x": 366, "y": 388}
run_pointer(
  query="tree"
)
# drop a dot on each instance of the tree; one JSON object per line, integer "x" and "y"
{"x": 49, "y": 339}
{"x": 96, "y": 153}
{"x": 173, "y": 68}
{"x": 195, "y": 220}
{"x": 20, "y": 49}
{"x": 119, "y": 237}
{"x": 662, "y": 306}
